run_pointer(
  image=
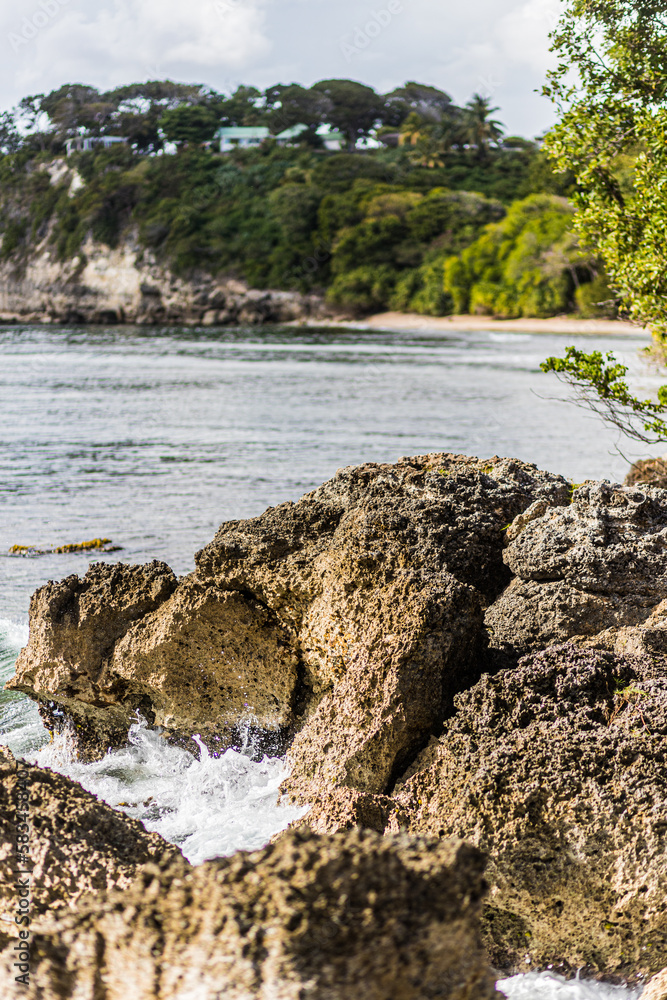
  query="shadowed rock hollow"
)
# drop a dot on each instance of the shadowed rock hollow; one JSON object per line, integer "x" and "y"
{"x": 327, "y": 918}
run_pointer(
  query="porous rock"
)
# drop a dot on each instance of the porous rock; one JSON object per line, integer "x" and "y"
{"x": 651, "y": 471}
{"x": 74, "y": 625}
{"x": 557, "y": 769}
{"x": 76, "y": 844}
{"x": 381, "y": 574}
{"x": 648, "y": 639}
{"x": 351, "y": 618}
{"x": 98, "y": 653}
{"x": 656, "y": 989}
{"x": 326, "y": 918}
{"x": 595, "y": 564}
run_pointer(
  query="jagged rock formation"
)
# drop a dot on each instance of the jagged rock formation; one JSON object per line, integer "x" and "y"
{"x": 77, "y": 844}
{"x": 595, "y": 564}
{"x": 352, "y": 616}
{"x": 377, "y": 627}
{"x": 333, "y": 917}
{"x": 649, "y": 472}
{"x": 74, "y": 625}
{"x": 557, "y": 769}
{"x": 128, "y": 285}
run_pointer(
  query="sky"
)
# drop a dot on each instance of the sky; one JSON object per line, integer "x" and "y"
{"x": 498, "y": 48}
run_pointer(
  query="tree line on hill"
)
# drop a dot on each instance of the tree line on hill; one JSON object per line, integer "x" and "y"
{"x": 158, "y": 111}
{"x": 444, "y": 222}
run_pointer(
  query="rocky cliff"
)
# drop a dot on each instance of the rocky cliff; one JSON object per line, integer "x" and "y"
{"x": 128, "y": 285}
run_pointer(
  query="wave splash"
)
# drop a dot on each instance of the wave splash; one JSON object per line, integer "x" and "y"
{"x": 21, "y": 728}
{"x": 549, "y": 986}
{"x": 209, "y": 807}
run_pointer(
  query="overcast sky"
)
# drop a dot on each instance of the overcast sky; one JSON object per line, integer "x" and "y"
{"x": 496, "y": 47}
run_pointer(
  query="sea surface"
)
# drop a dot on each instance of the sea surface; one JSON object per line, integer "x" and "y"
{"x": 152, "y": 438}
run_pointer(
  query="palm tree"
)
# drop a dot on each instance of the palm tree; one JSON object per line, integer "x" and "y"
{"x": 431, "y": 142}
{"x": 479, "y": 128}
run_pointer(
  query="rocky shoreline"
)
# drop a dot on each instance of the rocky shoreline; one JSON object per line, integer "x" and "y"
{"x": 128, "y": 285}
{"x": 466, "y": 663}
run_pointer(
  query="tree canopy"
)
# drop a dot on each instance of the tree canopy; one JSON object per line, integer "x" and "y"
{"x": 197, "y": 123}
{"x": 355, "y": 108}
{"x": 610, "y": 88}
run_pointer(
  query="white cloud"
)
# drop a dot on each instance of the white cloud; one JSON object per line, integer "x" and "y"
{"x": 523, "y": 33}
{"x": 497, "y": 47}
{"x": 136, "y": 39}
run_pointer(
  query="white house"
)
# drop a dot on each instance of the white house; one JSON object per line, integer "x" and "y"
{"x": 241, "y": 137}
{"x": 332, "y": 140}
{"x": 287, "y": 137}
{"x": 83, "y": 144}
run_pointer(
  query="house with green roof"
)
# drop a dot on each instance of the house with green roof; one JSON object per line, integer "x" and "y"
{"x": 288, "y": 135}
{"x": 241, "y": 137}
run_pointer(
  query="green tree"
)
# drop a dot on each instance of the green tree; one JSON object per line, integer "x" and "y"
{"x": 292, "y": 104}
{"x": 10, "y": 139}
{"x": 610, "y": 88}
{"x": 140, "y": 106}
{"x": 478, "y": 127}
{"x": 519, "y": 266}
{"x": 355, "y": 108}
{"x": 429, "y": 103}
{"x": 189, "y": 123}
{"x": 75, "y": 108}
{"x": 244, "y": 107}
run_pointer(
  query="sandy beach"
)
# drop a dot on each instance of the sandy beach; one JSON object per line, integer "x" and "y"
{"x": 555, "y": 324}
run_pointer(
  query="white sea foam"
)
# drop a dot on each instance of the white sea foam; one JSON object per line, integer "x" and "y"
{"x": 210, "y": 807}
{"x": 21, "y": 728}
{"x": 549, "y": 986}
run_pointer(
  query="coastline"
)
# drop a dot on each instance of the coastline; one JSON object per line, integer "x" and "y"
{"x": 444, "y": 324}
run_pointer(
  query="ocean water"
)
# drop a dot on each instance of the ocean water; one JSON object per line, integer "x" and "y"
{"x": 153, "y": 438}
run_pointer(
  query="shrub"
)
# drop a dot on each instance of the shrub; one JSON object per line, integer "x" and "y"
{"x": 596, "y": 299}
{"x": 363, "y": 290}
{"x": 521, "y": 266}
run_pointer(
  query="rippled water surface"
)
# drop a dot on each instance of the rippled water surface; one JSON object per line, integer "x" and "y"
{"x": 153, "y": 438}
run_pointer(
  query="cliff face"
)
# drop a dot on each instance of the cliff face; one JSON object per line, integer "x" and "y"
{"x": 128, "y": 285}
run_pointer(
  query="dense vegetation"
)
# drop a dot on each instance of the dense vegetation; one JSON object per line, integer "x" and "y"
{"x": 610, "y": 87}
{"x": 448, "y": 217}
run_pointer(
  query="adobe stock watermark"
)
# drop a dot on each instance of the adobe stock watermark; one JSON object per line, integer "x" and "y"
{"x": 488, "y": 85}
{"x": 311, "y": 265}
{"x": 22, "y": 877}
{"x": 355, "y": 42}
{"x": 44, "y": 15}
{"x": 225, "y": 7}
